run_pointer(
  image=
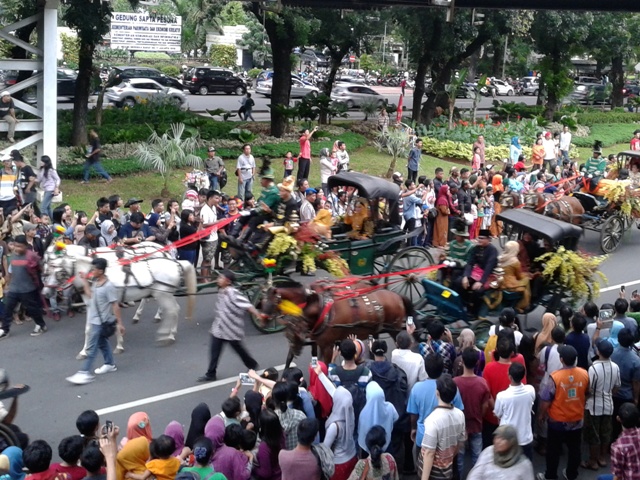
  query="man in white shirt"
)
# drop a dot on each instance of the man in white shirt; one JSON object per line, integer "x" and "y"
{"x": 549, "y": 357}
{"x": 245, "y": 171}
{"x": 343, "y": 157}
{"x": 307, "y": 210}
{"x": 410, "y": 362}
{"x": 513, "y": 407}
{"x": 209, "y": 244}
{"x": 565, "y": 143}
{"x": 549, "y": 151}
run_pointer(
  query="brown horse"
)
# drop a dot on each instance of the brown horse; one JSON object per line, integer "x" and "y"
{"x": 326, "y": 318}
{"x": 565, "y": 208}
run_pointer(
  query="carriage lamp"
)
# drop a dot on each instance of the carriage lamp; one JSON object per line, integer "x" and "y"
{"x": 269, "y": 265}
{"x": 60, "y": 230}
{"x": 60, "y": 247}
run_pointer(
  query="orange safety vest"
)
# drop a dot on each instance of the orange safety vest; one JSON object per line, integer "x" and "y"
{"x": 571, "y": 391}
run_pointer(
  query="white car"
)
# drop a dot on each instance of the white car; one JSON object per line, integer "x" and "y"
{"x": 502, "y": 87}
{"x": 355, "y": 95}
{"x": 298, "y": 89}
{"x": 133, "y": 90}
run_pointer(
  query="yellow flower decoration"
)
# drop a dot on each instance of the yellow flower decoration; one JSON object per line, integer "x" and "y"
{"x": 269, "y": 262}
{"x": 60, "y": 246}
{"x": 289, "y": 308}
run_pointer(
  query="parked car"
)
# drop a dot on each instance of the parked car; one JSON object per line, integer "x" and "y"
{"x": 355, "y": 95}
{"x": 529, "y": 85}
{"x": 591, "y": 94}
{"x": 8, "y": 77}
{"x": 132, "y": 90}
{"x": 298, "y": 89}
{"x": 67, "y": 82}
{"x": 582, "y": 80}
{"x": 118, "y": 74}
{"x": 631, "y": 90}
{"x": 316, "y": 58}
{"x": 268, "y": 75}
{"x": 205, "y": 80}
{"x": 502, "y": 87}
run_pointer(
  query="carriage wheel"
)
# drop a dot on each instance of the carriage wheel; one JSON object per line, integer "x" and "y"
{"x": 409, "y": 285}
{"x": 272, "y": 325}
{"x": 8, "y": 436}
{"x": 611, "y": 233}
{"x": 381, "y": 263}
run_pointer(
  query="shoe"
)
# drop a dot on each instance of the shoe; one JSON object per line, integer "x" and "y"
{"x": 564, "y": 474}
{"x": 56, "y": 316}
{"x": 81, "y": 378}
{"x": 81, "y": 356}
{"x": 11, "y": 140}
{"x": 204, "y": 378}
{"x": 540, "y": 476}
{"x": 106, "y": 368}
{"x": 83, "y": 182}
{"x": 3, "y": 334}
{"x": 38, "y": 331}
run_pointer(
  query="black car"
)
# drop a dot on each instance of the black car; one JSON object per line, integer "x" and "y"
{"x": 205, "y": 80}
{"x": 67, "y": 82}
{"x": 118, "y": 74}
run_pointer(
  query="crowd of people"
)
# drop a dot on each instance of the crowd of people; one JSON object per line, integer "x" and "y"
{"x": 439, "y": 409}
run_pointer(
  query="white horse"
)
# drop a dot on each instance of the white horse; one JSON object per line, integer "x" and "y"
{"x": 112, "y": 256}
{"x": 156, "y": 277}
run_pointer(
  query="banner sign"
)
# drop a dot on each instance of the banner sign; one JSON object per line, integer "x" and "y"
{"x": 146, "y": 32}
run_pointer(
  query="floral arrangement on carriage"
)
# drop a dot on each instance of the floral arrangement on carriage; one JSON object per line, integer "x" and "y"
{"x": 306, "y": 246}
{"x": 574, "y": 273}
{"x": 627, "y": 199}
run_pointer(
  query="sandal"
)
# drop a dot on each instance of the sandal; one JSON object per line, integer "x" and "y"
{"x": 588, "y": 466}
{"x": 602, "y": 464}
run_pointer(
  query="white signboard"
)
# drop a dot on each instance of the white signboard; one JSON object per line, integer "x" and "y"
{"x": 146, "y": 32}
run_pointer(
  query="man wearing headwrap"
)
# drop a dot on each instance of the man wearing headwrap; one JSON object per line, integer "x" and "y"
{"x": 504, "y": 459}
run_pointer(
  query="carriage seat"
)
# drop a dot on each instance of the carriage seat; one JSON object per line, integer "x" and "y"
{"x": 590, "y": 202}
{"x": 510, "y": 299}
{"x": 448, "y": 303}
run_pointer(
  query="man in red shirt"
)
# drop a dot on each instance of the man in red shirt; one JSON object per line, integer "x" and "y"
{"x": 497, "y": 376}
{"x": 635, "y": 141}
{"x": 304, "y": 159}
{"x": 625, "y": 451}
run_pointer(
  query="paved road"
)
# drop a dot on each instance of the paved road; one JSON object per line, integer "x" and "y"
{"x": 161, "y": 381}
{"x": 261, "y": 110}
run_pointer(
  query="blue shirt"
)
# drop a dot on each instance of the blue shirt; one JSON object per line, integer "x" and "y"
{"x": 126, "y": 231}
{"x": 414, "y": 158}
{"x": 629, "y": 323}
{"x": 423, "y": 400}
{"x": 409, "y": 209}
{"x": 629, "y": 365}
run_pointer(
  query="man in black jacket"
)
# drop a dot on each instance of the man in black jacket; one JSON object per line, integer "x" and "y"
{"x": 483, "y": 258}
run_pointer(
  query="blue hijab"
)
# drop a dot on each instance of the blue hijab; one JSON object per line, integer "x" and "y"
{"x": 376, "y": 411}
{"x": 15, "y": 463}
{"x": 614, "y": 331}
{"x": 515, "y": 141}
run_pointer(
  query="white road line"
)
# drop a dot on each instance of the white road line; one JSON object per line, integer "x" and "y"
{"x": 617, "y": 287}
{"x": 175, "y": 394}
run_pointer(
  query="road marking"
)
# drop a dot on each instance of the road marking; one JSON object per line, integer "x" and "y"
{"x": 175, "y": 394}
{"x": 617, "y": 287}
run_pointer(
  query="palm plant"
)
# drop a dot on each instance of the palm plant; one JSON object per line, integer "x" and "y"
{"x": 369, "y": 107}
{"x": 395, "y": 142}
{"x": 168, "y": 151}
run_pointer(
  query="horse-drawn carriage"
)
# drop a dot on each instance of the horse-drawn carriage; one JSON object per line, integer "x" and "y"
{"x": 448, "y": 305}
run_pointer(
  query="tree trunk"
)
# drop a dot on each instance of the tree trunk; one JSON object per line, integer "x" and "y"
{"x": 81, "y": 100}
{"x": 438, "y": 97}
{"x": 328, "y": 85}
{"x": 418, "y": 91}
{"x": 100, "y": 103}
{"x": 392, "y": 167}
{"x": 617, "y": 81}
{"x": 281, "y": 87}
{"x": 498, "y": 55}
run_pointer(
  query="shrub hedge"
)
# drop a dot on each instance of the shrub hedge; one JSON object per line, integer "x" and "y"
{"x": 608, "y": 134}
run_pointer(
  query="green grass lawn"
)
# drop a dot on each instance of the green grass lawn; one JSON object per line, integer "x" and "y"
{"x": 149, "y": 185}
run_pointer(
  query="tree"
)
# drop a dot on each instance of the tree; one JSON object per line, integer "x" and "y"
{"x": 558, "y": 36}
{"x": 287, "y": 28}
{"x": 70, "y": 49}
{"x": 396, "y": 143}
{"x": 256, "y": 42}
{"x": 223, "y": 56}
{"x": 233, "y": 14}
{"x": 169, "y": 151}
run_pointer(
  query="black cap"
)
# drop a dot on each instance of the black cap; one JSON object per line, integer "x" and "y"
{"x": 21, "y": 239}
{"x": 568, "y": 354}
{"x": 16, "y": 155}
{"x": 605, "y": 347}
{"x": 91, "y": 230}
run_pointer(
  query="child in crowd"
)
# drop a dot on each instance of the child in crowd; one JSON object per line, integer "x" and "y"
{"x": 202, "y": 453}
{"x": 289, "y": 159}
{"x": 87, "y": 424}
{"x": 92, "y": 461}
{"x": 70, "y": 450}
{"x": 163, "y": 465}
{"x": 81, "y": 224}
{"x": 37, "y": 460}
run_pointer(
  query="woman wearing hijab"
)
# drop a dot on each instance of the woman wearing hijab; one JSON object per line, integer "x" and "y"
{"x": 230, "y": 462}
{"x": 133, "y": 457}
{"x": 376, "y": 411}
{"x": 323, "y": 399}
{"x": 515, "y": 150}
{"x": 543, "y": 338}
{"x": 467, "y": 339}
{"x": 176, "y": 431}
{"x": 514, "y": 280}
{"x": 253, "y": 405}
{"x": 199, "y": 418}
{"x": 498, "y": 190}
{"x": 138, "y": 426}
{"x": 108, "y": 234}
{"x": 503, "y": 460}
{"x": 360, "y": 220}
{"x": 14, "y": 454}
{"x": 445, "y": 207}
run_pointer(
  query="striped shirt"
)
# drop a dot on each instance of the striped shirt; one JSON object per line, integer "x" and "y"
{"x": 230, "y": 313}
{"x": 444, "y": 429}
{"x": 290, "y": 421}
{"x": 604, "y": 376}
{"x": 7, "y": 182}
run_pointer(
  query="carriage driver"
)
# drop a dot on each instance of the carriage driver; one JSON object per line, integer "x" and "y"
{"x": 267, "y": 203}
{"x": 595, "y": 168}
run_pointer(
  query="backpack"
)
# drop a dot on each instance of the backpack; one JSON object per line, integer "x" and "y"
{"x": 357, "y": 393}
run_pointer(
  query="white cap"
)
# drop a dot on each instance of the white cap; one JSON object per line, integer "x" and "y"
{"x": 397, "y": 174}
{"x": 5, "y": 94}
{"x": 6, "y": 158}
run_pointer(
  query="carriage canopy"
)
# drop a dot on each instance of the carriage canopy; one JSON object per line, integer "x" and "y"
{"x": 555, "y": 231}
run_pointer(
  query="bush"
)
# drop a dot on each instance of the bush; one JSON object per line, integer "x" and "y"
{"x": 254, "y": 72}
{"x": 151, "y": 56}
{"x": 224, "y": 56}
{"x": 116, "y": 168}
{"x": 169, "y": 70}
{"x": 594, "y": 117}
{"x": 608, "y": 134}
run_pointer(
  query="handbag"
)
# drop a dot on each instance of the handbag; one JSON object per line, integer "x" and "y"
{"x": 54, "y": 199}
{"x": 432, "y": 214}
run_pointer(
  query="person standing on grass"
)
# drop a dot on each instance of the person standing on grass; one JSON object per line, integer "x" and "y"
{"x": 94, "y": 152}
{"x": 228, "y": 326}
{"x": 103, "y": 309}
{"x": 245, "y": 171}
{"x": 415, "y": 155}
{"x": 304, "y": 158}
{"x": 49, "y": 181}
